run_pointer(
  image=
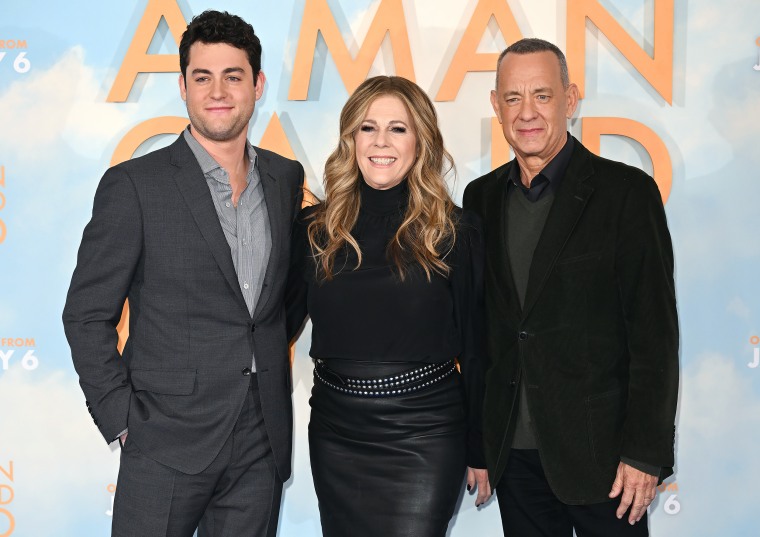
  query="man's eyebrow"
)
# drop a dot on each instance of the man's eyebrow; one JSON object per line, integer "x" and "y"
{"x": 201, "y": 71}
{"x": 543, "y": 89}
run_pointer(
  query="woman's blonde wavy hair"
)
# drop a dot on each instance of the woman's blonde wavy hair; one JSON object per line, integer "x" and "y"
{"x": 428, "y": 230}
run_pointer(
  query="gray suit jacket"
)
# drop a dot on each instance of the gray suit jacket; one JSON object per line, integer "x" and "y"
{"x": 155, "y": 238}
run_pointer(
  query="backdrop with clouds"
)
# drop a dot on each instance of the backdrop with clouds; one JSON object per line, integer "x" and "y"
{"x": 58, "y": 134}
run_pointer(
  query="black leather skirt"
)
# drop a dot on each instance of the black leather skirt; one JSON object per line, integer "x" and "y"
{"x": 387, "y": 466}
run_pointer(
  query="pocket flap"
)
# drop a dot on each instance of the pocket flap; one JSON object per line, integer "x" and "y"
{"x": 579, "y": 262}
{"x": 165, "y": 381}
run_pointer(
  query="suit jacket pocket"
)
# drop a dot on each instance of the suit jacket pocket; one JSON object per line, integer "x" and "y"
{"x": 578, "y": 262}
{"x": 605, "y": 413}
{"x": 164, "y": 381}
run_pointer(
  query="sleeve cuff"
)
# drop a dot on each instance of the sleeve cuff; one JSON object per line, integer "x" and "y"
{"x": 475, "y": 457}
{"x": 642, "y": 466}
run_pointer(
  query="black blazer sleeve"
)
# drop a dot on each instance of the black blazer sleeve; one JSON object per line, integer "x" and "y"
{"x": 644, "y": 269}
{"x": 296, "y": 290}
{"x": 467, "y": 288}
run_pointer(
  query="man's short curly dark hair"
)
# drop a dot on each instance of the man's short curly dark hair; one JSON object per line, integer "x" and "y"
{"x": 220, "y": 27}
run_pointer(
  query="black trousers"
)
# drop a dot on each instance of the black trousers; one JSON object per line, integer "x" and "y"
{"x": 529, "y": 508}
{"x": 237, "y": 495}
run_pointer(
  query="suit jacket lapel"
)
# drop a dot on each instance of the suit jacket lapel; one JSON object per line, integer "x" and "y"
{"x": 273, "y": 202}
{"x": 498, "y": 247}
{"x": 192, "y": 185}
{"x": 569, "y": 203}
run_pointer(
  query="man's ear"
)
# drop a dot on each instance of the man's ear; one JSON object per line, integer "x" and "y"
{"x": 182, "y": 87}
{"x": 259, "y": 82}
{"x": 572, "y": 94}
{"x": 494, "y": 104}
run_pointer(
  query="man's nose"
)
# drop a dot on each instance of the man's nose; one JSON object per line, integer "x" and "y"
{"x": 218, "y": 89}
{"x": 527, "y": 109}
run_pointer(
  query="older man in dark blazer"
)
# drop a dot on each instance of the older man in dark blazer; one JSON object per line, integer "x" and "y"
{"x": 196, "y": 236}
{"x": 583, "y": 333}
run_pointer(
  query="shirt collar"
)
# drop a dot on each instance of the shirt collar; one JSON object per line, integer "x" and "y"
{"x": 205, "y": 160}
{"x": 552, "y": 173}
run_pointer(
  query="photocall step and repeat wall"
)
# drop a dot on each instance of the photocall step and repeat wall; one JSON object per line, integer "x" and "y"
{"x": 668, "y": 85}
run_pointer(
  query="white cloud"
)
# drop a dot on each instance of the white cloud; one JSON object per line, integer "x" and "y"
{"x": 58, "y": 146}
{"x": 62, "y": 465}
{"x": 8, "y": 315}
{"x": 65, "y": 102}
{"x": 717, "y": 449}
{"x": 739, "y": 307}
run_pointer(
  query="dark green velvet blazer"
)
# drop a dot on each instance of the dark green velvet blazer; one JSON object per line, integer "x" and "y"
{"x": 597, "y": 340}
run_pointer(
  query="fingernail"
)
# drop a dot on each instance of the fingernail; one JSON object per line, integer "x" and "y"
{"x": 469, "y": 488}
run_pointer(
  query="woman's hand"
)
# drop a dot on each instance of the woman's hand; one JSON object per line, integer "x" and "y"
{"x": 477, "y": 479}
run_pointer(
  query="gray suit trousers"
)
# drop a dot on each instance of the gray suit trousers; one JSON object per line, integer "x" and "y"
{"x": 238, "y": 494}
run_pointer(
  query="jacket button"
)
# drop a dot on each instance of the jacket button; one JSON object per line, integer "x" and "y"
{"x": 246, "y": 372}
{"x": 253, "y": 327}
{"x": 513, "y": 383}
{"x": 523, "y": 336}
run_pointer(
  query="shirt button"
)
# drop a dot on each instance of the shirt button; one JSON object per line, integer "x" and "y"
{"x": 228, "y": 204}
{"x": 245, "y": 286}
{"x": 245, "y": 241}
{"x": 523, "y": 336}
{"x": 246, "y": 372}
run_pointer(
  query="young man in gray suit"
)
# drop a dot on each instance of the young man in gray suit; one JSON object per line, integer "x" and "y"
{"x": 581, "y": 391}
{"x": 196, "y": 236}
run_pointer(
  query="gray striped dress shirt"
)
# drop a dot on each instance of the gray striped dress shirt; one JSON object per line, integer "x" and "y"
{"x": 246, "y": 227}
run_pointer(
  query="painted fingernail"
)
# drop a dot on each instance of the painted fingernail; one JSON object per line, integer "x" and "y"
{"x": 469, "y": 488}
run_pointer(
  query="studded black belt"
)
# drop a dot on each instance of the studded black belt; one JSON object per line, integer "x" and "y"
{"x": 398, "y": 384}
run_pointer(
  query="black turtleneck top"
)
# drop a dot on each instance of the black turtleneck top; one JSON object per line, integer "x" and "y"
{"x": 368, "y": 314}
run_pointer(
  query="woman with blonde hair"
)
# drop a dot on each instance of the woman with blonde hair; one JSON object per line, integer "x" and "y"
{"x": 391, "y": 273}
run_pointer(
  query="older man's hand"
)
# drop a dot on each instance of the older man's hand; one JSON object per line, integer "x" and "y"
{"x": 638, "y": 489}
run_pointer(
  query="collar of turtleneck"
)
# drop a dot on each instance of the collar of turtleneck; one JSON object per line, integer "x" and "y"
{"x": 382, "y": 202}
